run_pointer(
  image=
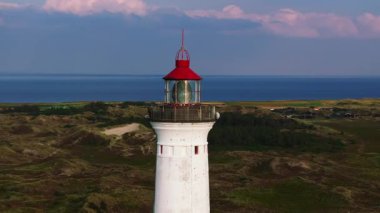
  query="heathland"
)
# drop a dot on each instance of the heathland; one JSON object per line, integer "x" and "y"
{"x": 277, "y": 156}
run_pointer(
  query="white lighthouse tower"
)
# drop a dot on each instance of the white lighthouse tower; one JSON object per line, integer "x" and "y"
{"x": 182, "y": 124}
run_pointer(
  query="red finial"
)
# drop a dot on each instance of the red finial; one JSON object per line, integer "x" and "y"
{"x": 183, "y": 39}
{"x": 183, "y": 54}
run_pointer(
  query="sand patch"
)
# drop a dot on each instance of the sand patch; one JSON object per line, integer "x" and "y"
{"x": 119, "y": 131}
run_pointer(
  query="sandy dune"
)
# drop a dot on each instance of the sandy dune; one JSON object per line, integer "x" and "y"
{"x": 119, "y": 131}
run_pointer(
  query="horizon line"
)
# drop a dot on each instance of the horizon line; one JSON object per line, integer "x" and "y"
{"x": 209, "y": 75}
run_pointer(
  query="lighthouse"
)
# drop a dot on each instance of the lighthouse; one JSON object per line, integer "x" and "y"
{"x": 182, "y": 124}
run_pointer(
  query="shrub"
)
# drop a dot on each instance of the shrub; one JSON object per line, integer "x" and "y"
{"x": 266, "y": 131}
{"x": 83, "y": 137}
{"x": 96, "y": 107}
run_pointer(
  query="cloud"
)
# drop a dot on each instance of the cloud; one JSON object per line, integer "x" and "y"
{"x": 290, "y": 22}
{"x": 10, "y": 6}
{"x": 293, "y": 23}
{"x": 89, "y": 7}
{"x": 370, "y": 24}
{"x": 228, "y": 12}
{"x": 285, "y": 22}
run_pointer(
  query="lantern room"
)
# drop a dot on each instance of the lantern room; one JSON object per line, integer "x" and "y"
{"x": 182, "y": 85}
{"x": 182, "y": 101}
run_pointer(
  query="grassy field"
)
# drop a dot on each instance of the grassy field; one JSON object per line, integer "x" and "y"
{"x": 56, "y": 158}
{"x": 294, "y": 195}
{"x": 365, "y": 131}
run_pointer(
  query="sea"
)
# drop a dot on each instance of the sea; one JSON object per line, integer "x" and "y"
{"x": 70, "y": 88}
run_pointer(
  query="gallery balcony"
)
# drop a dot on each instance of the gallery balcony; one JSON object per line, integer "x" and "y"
{"x": 182, "y": 113}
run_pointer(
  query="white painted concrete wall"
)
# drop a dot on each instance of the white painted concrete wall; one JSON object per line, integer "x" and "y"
{"x": 182, "y": 178}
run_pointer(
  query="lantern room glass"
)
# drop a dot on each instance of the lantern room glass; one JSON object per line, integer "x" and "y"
{"x": 182, "y": 91}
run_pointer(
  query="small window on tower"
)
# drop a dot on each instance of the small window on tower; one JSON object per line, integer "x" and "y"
{"x": 161, "y": 149}
{"x": 196, "y": 150}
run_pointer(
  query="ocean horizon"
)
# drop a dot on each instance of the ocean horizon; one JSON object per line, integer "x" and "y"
{"x": 44, "y": 88}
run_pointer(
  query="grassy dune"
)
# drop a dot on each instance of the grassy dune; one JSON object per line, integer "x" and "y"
{"x": 56, "y": 158}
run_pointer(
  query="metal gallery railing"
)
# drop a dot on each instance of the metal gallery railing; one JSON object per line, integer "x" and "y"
{"x": 188, "y": 113}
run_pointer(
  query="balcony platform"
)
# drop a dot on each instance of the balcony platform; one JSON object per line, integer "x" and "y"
{"x": 182, "y": 113}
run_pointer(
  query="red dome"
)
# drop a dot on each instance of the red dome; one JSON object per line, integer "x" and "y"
{"x": 183, "y": 72}
{"x": 182, "y": 63}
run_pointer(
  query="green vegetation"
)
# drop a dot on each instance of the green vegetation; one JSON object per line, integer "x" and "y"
{"x": 290, "y": 196}
{"x": 258, "y": 132}
{"x": 368, "y": 131}
{"x": 276, "y": 156}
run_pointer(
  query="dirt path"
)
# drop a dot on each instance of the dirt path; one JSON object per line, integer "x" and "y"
{"x": 119, "y": 131}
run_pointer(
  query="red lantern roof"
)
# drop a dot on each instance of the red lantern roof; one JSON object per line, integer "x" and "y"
{"x": 183, "y": 70}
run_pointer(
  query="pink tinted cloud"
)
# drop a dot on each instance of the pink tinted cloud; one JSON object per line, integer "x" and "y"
{"x": 9, "y": 6}
{"x": 228, "y": 12}
{"x": 293, "y": 23}
{"x": 370, "y": 24}
{"x": 88, "y": 7}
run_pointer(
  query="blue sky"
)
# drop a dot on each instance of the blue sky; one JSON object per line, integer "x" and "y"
{"x": 245, "y": 37}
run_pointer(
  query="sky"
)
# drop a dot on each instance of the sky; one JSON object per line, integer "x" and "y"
{"x": 224, "y": 37}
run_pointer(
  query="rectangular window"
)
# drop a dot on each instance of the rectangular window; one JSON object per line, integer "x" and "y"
{"x": 196, "y": 150}
{"x": 161, "y": 149}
